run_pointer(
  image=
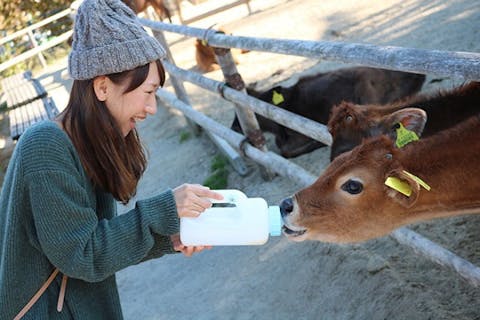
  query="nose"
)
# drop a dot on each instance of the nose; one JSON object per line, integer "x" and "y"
{"x": 286, "y": 207}
{"x": 151, "y": 108}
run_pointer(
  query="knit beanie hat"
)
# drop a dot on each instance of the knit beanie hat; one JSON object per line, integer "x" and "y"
{"x": 107, "y": 39}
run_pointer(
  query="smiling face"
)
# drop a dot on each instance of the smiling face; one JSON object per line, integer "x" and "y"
{"x": 129, "y": 107}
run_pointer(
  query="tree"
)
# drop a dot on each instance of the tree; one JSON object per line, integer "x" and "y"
{"x": 17, "y": 14}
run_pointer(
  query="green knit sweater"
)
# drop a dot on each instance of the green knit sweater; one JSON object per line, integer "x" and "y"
{"x": 51, "y": 217}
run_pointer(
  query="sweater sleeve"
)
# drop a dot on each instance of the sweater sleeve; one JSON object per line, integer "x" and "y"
{"x": 163, "y": 245}
{"x": 82, "y": 246}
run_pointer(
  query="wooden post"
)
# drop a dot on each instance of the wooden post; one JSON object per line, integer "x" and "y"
{"x": 233, "y": 157}
{"x": 246, "y": 117}
{"x": 40, "y": 56}
{"x": 177, "y": 84}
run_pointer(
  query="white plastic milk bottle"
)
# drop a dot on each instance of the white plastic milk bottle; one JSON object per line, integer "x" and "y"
{"x": 235, "y": 220}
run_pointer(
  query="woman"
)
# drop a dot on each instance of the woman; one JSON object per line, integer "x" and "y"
{"x": 59, "y": 232}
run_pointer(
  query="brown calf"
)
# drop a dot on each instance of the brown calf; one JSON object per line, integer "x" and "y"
{"x": 350, "y": 201}
{"x": 350, "y": 123}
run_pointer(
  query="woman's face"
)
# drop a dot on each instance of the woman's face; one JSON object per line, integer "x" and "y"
{"x": 134, "y": 106}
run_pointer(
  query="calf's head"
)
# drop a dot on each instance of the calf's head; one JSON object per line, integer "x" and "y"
{"x": 349, "y": 124}
{"x": 350, "y": 201}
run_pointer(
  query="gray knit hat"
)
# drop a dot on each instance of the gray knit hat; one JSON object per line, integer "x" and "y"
{"x": 107, "y": 39}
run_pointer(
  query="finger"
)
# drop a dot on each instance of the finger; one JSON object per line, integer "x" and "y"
{"x": 188, "y": 251}
{"x": 205, "y": 202}
{"x": 178, "y": 247}
{"x": 191, "y": 213}
{"x": 205, "y": 192}
{"x": 198, "y": 207}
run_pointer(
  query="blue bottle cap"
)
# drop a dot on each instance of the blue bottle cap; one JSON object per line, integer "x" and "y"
{"x": 275, "y": 220}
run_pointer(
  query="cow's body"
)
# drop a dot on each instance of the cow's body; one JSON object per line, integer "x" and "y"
{"x": 158, "y": 5}
{"x": 314, "y": 96}
{"x": 350, "y": 201}
{"x": 350, "y": 123}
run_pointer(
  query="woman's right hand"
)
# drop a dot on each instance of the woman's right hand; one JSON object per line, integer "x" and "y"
{"x": 192, "y": 199}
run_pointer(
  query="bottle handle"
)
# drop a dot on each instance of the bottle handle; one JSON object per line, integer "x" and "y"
{"x": 230, "y": 197}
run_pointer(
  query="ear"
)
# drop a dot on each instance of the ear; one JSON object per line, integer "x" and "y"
{"x": 402, "y": 188}
{"x": 100, "y": 87}
{"x": 413, "y": 119}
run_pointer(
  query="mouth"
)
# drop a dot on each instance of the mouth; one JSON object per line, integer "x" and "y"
{"x": 293, "y": 231}
{"x": 138, "y": 119}
{"x": 135, "y": 120}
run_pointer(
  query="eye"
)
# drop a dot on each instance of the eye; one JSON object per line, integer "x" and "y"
{"x": 352, "y": 186}
{"x": 348, "y": 118}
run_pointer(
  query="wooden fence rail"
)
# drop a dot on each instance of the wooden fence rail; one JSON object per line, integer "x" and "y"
{"x": 461, "y": 64}
{"x": 30, "y": 53}
{"x": 465, "y": 65}
{"x": 35, "y": 26}
{"x": 289, "y": 119}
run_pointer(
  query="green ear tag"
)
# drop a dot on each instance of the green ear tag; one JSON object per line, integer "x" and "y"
{"x": 277, "y": 98}
{"x": 404, "y": 136}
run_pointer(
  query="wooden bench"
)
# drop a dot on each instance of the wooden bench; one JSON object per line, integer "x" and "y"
{"x": 24, "y": 116}
{"x": 26, "y": 102}
{"x": 15, "y": 80}
{"x": 24, "y": 93}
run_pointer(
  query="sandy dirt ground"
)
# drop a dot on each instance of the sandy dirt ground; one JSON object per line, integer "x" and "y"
{"x": 378, "y": 279}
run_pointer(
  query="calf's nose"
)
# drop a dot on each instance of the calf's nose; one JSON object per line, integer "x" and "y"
{"x": 286, "y": 207}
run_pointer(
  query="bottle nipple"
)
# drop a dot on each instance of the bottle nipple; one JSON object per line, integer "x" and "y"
{"x": 275, "y": 220}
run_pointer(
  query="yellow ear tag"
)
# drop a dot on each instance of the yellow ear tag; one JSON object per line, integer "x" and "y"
{"x": 277, "y": 98}
{"x": 204, "y": 43}
{"x": 399, "y": 185}
{"x": 418, "y": 180}
{"x": 404, "y": 136}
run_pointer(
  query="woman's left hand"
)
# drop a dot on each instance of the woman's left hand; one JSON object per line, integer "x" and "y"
{"x": 188, "y": 251}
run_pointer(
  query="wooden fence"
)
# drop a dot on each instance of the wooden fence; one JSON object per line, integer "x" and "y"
{"x": 460, "y": 64}
{"x": 37, "y": 49}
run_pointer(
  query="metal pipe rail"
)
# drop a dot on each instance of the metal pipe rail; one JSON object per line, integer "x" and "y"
{"x": 465, "y": 65}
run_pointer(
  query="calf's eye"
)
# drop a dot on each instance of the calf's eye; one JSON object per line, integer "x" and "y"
{"x": 352, "y": 187}
{"x": 348, "y": 118}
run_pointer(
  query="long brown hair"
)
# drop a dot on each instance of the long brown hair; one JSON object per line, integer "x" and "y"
{"x": 113, "y": 162}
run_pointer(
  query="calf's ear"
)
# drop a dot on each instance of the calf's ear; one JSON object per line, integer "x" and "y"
{"x": 402, "y": 188}
{"x": 412, "y": 119}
